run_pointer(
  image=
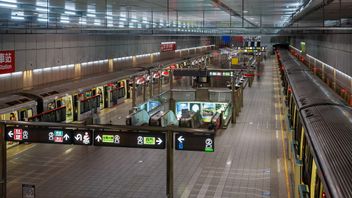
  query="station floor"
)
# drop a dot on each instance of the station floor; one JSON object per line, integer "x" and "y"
{"x": 247, "y": 162}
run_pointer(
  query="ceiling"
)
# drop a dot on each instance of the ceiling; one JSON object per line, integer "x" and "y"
{"x": 153, "y": 16}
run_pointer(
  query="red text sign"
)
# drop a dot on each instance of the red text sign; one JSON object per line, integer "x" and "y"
{"x": 167, "y": 46}
{"x": 7, "y": 61}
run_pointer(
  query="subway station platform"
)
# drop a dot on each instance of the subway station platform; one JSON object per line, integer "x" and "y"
{"x": 248, "y": 160}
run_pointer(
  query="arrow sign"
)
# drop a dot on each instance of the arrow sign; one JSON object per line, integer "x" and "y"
{"x": 82, "y": 137}
{"x": 159, "y": 141}
{"x": 181, "y": 139}
{"x": 98, "y": 138}
{"x": 130, "y": 139}
{"x": 78, "y": 137}
{"x": 195, "y": 142}
{"x": 66, "y": 137}
{"x": 10, "y": 134}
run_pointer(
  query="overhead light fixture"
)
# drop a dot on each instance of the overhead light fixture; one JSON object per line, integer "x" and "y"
{"x": 64, "y": 19}
{"x": 121, "y": 24}
{"x": 69, "y": 12}
{"x": 82, "y": 21}
{"x": 97, "y": 22}
{"x": 8, "y": 5}
{"x": 17, "y": 15}
{"x": 245, "y": 11}
{"x": 70, "y": 8}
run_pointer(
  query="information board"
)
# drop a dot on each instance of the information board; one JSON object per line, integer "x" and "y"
{"x": 194, "y": 142}
{"x": 130, "y": 139}
{"x": 47, "y": 135}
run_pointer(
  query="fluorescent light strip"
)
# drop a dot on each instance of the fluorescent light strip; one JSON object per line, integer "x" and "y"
{"x": 4, "y": 75}
{"x": 42, "y": 19}
{"x": 17, "y": 17}
{"x": 8, "y": 5}
{"x": 70, "y": 12}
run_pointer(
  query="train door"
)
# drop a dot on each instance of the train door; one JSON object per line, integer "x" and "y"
{"x": 106, "y": 96}
{"x": 100, "y": 92}
{"x": 75, "y": 107}
{"x": 319, "y": 191}
{"x": 24, "y": 114}
{"x": 307, "y": 165}
{"x": 67, "y": 101}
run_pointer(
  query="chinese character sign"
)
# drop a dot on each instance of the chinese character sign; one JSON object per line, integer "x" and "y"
{"x": 167, "y": 46}
{"x": 7, "y": 61}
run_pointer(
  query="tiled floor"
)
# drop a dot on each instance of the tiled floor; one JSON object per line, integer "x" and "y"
{"x": 247, "y": 161}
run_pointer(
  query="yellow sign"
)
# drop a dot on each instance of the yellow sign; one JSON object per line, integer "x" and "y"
{"x": 234, "y": 61}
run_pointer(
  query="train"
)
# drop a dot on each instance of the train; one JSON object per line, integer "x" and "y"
{"x": 77, "y": 100}
{"x": 320, "y": 126}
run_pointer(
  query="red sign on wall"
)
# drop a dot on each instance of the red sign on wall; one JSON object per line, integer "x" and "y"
{"x": 7, "y": 61}
{"x": 167, "y": 46}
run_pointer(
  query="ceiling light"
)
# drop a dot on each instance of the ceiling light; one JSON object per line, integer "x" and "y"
{"x": 245, "y": 11}
{"x": 70, "y": 12}
{"x": 8, "y": 5}
{"x": 97, "y": 22}
{"x": 83, "y": 21}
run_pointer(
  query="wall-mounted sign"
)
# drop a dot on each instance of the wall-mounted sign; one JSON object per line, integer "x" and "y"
{"x": 7, "y": 61}
{"x": 130, "y": 139}
{"x": 167, "y": 46}
{"x": 192, "y": 142}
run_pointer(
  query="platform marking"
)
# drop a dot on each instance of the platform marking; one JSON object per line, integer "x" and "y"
{"x": 284, "y": 152}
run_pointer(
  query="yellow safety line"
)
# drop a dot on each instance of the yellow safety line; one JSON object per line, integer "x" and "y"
{"x": 283, "y": 148}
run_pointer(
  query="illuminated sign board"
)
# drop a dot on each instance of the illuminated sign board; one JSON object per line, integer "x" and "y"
{"x": 46, "y": 135}
{"x": 167, "y": 46}
{"x": 195, "y": 142}
{"x": 220, "y": 73}
{"x": 130, "y": 139}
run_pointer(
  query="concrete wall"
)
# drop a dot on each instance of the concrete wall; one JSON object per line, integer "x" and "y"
{"x": 333, "y": 49}
{"x": 47, "y": 50}
{"x": 50, "y": 51}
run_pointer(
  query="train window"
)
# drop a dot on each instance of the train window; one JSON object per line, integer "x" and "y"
{"x": 22, "y": 115}
{"x": 307, "y": 164}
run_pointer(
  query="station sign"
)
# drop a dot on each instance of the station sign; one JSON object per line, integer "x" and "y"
{"x": 130, "y": 139}
{"x": 47, "y": 135}
{"x": 194, "y": 142}
{"x": 7, "y": 61}
{"x": 167, "y": 46}
{"x": 221, "y": 73}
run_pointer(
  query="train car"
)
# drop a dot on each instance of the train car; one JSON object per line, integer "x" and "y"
{"x": 320, "y": 125}
{"x": 78, "y": 100}
{"x": 16, "y": 108}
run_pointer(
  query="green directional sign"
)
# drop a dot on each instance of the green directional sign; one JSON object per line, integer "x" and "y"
{"x": 149, "y": 140}
{"x": 108, "y": 138}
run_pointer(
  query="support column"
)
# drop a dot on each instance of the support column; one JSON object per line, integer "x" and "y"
{"x": 171, "y": 81}
{"x": 144, "y": 92}
{"x": 151, "y": 86}
{"x": 170, "y": 165}
{"x": 234, "y": 111}
{"x": 134, "y": 93}
{"x": 159, "y": 83}
{"x": 3, "y": 161}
